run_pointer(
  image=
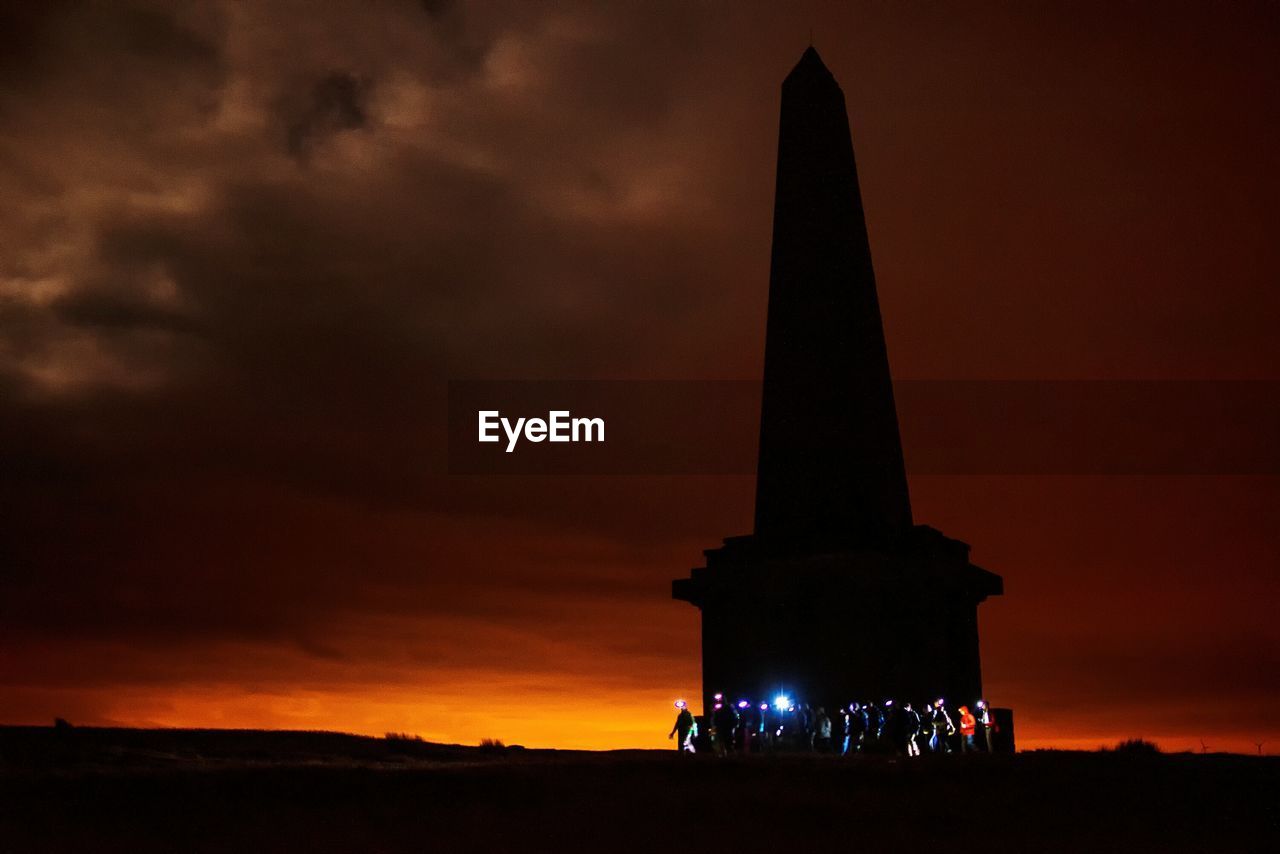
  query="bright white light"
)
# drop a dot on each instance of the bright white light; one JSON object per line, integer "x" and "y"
{"x": 742, "y": 704}
{"x": 680, "y": 704}
{"x": 782, "y": 702}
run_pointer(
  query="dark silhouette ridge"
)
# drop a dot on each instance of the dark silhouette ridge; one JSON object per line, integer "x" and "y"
{"x": 837, "y": 596}
{"x": 160, "y": 791}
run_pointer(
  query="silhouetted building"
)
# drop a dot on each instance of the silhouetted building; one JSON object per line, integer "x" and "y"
{"x": 837, "y": 595}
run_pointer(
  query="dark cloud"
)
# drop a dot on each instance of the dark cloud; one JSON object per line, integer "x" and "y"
{"x": 111, "y": 312}
{"x": 437, "y": 8}
{"x": 336, "y": 102}
{"x": 26, "y": 31}
{"x": 156, "y": 36}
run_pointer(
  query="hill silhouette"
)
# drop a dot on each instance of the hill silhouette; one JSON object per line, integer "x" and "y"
{"x": 245, "y": 791}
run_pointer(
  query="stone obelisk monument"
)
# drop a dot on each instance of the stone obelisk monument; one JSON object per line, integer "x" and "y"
{"x": 837, "y": 595}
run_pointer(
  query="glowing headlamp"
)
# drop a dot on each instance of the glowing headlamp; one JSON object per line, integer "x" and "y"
{"x": 680, "y": 704}
{"x": 742, "y": 704}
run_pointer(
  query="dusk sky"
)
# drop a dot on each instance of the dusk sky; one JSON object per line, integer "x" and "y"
{"x": 244, "y": 247}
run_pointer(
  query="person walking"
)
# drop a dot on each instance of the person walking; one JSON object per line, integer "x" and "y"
{"x": 894, "y": 726}
{"x": 912, "y": 729}
{"x": 764, "y": 734}
{"x": 804, "y": 726}
{"x": 968, "y": 725}
{"x": 683, "y": 727}
{"x": 987, "y": 724}
{"x": 855, "y": 725}
{"x": 822, "y": 730}
{"x": 943, "y": 728}
{"x": 875, "y": 723}
{"x": 725, "y": 721}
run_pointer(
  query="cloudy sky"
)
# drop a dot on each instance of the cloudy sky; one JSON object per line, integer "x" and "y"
{"x": 244, "y": 246}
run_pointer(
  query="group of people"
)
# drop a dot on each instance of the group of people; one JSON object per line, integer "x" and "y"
{"x": 746, "y": 727}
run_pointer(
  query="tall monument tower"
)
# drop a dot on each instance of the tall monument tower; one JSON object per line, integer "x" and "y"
{"x": 837, "y": 595}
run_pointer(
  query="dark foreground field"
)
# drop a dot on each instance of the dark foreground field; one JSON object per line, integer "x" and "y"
{"x": 90, "y": 790}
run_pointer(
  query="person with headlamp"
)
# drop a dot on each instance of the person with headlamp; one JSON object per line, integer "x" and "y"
{"x": 987, "y": 724}
{"x": 943, "y": 728}
{"x": 684, "y": 727}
